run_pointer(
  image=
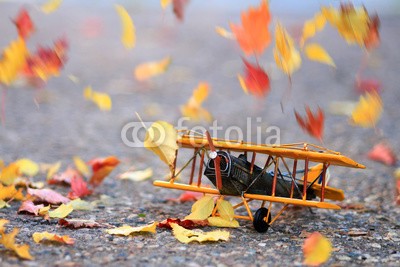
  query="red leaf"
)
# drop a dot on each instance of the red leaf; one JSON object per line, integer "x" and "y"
{"x": 29, "y": 207}
{"x": 101, "y": 168}
{"x": 47, "y": 196}
{"x": 78, "y": 223}
{"x": 78, "y": 188}
{"x": 64, "y": 177}
{"x": 187, "y": 196}
{"x": 256, "y": 79}
{"x": 367, "y": 86}
{"x": 383, "y": 153}
{"x": 312, "y": 124}
{"x": 372, "y": 40}
{"x": 24, "y": 24}
{"x": 179, "y": 8}
{"x": 188, "y": 224}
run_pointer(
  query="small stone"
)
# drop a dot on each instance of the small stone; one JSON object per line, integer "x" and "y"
{"x": 262, "y": 244}
{"x": 375, "y": 245}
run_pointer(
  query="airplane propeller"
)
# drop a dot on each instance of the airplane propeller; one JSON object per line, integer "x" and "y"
{"x": 217, "y": 161}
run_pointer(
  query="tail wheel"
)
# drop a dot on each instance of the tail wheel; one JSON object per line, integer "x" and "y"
{"x": 260, "y": 224}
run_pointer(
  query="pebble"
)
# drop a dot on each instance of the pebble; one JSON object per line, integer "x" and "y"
{"x": 261, "y": 244}
{"x": 375, "y": 245}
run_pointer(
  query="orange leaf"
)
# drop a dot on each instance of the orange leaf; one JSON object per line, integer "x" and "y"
{"x": 368, "y": 110}
{"x": 253, "y": 35}
{"x": 24, "y": 24}
{"x": 193, "y": 108}
{"x": 256, "y": 79}
{"x": 317, "y": 249}
{"x": 78, "y": 188}
{"x": 383, "y": 153}
{"x": 372, "y": 39}
{"x": 39, "y": 236}
{"x": 312, "y": 124}
{"x": 101, "y": 168}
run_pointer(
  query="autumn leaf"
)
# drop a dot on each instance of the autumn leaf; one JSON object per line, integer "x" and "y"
{"x": 368, "y": 111}
{"x": 128, "y": 37}
{"x": 79, "y": 188}
{"x": 27, "y": 167}
{"x": 148, "y": 70}
{"x": 102, "y": 167}
{"x": 243, "y": 84}
{"x": 137, "y": 176}
{"x": 126, "y": 230}
{"x": 81, "y": 166}
{"x": 12, "y": 61}
{"x": 224, "y": 33}
{"x": 102, "y": 100}
{"x": 317, "y": 249}
{"x": 8, "y": 241}
{"x": 29, "y": 207}
{"x": 397, "y": 185}
{"x": 53, "y": 169}
{"x": 188, "y": 224}
{"x": 9, "y": 174}
{"x": 47, "y": 196}
{"x": 79, "y": 204}
{"x": 65, "y": 177}
{"x": 186, "y": 236}
{"x": 382, "y": 152}
{"x": 312, "y": 26}
{"x": 367, "y": 85}
{"x": 372, "y": 40}
{"x": 256, "y": 80}
{"x": 253, "y": 35}
{"x": 313, "y": 124}
{"x": 286, "y": 56}
{"x": 187, "y": 196}
{"x": 62, "y": 211}
{"x": 78, "y": 223}
{"x": 24, "y": 24}
{"x": 40, "y": 236}
{"x": 179, "y": 8}
{"x": 225, "y": 217}
{"x": 201, "y": 209}
{"x": 316, "y": 52}
{"x": 193, "y": 108}
{"x": 10, "y": 192}
{"x": 165, "y": 3}
{"x": 220, "y": 222}
{"x": 50, "y": 6}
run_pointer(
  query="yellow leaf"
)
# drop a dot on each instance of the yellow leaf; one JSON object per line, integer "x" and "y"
{"x": 51, "y": 6}
{"x": 161, "y": 139}
{"x": 44, "y": 211}
{"x": 27, "y": 167}
{"x": 193, "y": 108}
{"x": 127, "y": 230}
{"x": 3, "y": 204}
{"x": 81, "y": 166}
{"x": 368, "y": 111}
{"x": 53, "y": 169}
{"x": 317, "y": 53}
{"x": 9, "y": 192}
{"x": 128, "y": 37}
{"x": 102, "y": 100}
{"x": 312, "y": 26}
{"x": 317, "y": 249}
{"x": 242, "y": 84}
{"x": 87, "y": 93}
{"x": 137, "y": 176}
{"x": 9, "y": 174}
{"x": 201, "y": 209}
{"x": 186, "y": 236}
{"x": 220, "y": 222}
{"x": 165, "y": 3}
{"x": 79, "y": 204}
{"x": 147, "y": 70}
{"x": 62, "y": 211}
{"x": 224, "y": 33}
{"x": 2, "y": 223}
{"x": 12, "y": 61}
{"x": 286, "y": 56}
{"x": 39, "y": 236}
{"x": 8, "y": 241}
{"x": 225, "y": 210}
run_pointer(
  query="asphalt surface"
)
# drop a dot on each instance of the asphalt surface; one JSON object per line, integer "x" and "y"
{"x": 64, "y": 125}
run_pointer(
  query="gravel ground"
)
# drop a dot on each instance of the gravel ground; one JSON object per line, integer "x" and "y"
{"x": 64, "y": 125}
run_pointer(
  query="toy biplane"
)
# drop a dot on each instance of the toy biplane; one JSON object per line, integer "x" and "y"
{"x": 238, "y": 175}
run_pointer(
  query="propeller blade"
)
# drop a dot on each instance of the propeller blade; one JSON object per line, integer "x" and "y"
{"x": 217, "y": 161}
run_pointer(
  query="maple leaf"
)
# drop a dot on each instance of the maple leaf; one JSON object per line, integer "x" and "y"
{"x": 382, "y": 152}
{"x": 78, "y": 223}
{"x": 317, "y": 53}
{"x": 317, "y": 249}
{"x": 193, "y": 108}
{"x": 9, "y": 173}
{"x": 186, "y": 236}
{"x": 312, "y": 26}
{"x": 29, "y": 207}
{"x": 201, "y": 209}
{"x": 178, "y": 7}
{"x": 368, "y": 110}
{"x": 256, "y": 79}
{"x": 13, "y": 61}
{"x": 253, "y": 35}
{"x": 40, "y": 236}
{"x": 24, "y": 24}
{"x": 312, "y": 124}
{"x": 128, "y": 37}
{"x": 47, "y": 196}
{"x": 8, "y": 241}
{"x": 188, "y": 224}
{"x": 147, "y": 70}
{"x": 102, "y": 167}
{"x": 126, "y": 230}
{"x": 62, "y": 211}
{"x": 78, "y": 188}
{"x": 10, "y": 192}
{"x": 137, "y": 176}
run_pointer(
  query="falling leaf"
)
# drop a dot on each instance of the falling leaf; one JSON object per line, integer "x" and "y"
{"x": 53, "y": 169}
{"x": 243, "y": 84}
{"x": 24, "y": 24}
{"x": 372, "y": 40}
{"x": 317, "y": 249}
{"x": 79, "y": 188}
{"x": 102, "y": 100}
{"x": 188, "y": 224}
{"x": 201, "y": 209}
{"x": 27, "y": 167}
{"x": 286, "y": 56}
{"x": 317, "y": 53}
{"x": 78, "y": 223}
{"x": 165, "y": 3}
{"x": 161, "y": 138}
{"x": 62, "y": 211}
{"x": 40, "y": 236}
{"x": 79, "y": 204}
{"x": 29, "y": 207}
{"x": 73, "y": 78}
{"x": 224, "y": 33}
{"x": 313, "y": 124}
{"x": 312, "y": 26}
{"x": 220, "y": 222}
{"x": 51, "y": 6}
{"x": 256, "y": 80}
{"x": 81, "y": 166}
{"x": 368, "y": 110}
{"x": 382, "y": 152}
{"x": 137, "y": 176}
{"x": 8, "y": 241}
{"x": 367, "y": 85}
{"x": 128, "y": 37}
{"x": 193, "y": 108}
{"x": 147, "y": 70}
{"x": 47, "y": 196}
{"x": 102, "y": 167}
{"x": 253, "y": 35}
{"x": 12, "y": 61}
{"x": 9, "y": 173}
{"x": 179, "y": 8}
{"x": 186, "y": 236}
{"x": 10, "y": 192}
{"x": 127, "y": 230}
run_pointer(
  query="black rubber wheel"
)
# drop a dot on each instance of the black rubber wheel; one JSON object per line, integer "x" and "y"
{"x": 259, "y": 224}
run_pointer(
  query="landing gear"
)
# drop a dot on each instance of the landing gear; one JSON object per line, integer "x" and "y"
{"x": 260, "y": 224}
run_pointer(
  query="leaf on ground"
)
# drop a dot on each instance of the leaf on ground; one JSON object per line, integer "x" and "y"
{"x": 137, "y": 176}
{"x": 225, "y": 210}
{"x": 397, "y": 186}
{"x": 50, "y": 6}
{"x": 53, "y": 169}
{"x": 253, "y": 34}
{"x": 220, "y": 222}
{"x": 368, "y": 111}
{"x": 148, "y": 70}
{"x": 101, "y": 168}
{"x": 79, "y": 188}
{"x": 367, "y": 85}
{"x": 126, "y": 230}
{"x": 10, "y": 192}
{"x": 40, "y": 236}
{"x": 317, "y": 249}
{"x": 312, "y": 26}
{"x": 12, "y": 61}
{"x": 102, "y": 100}
{"x": 79, "y": 204}
{"x": 256, "y": 80}
{"x": 382, "y": 152}
{"x": 61, "y": 212}
{"x": 313, "y": 124}
{"x": 316, "y": 52}
{"x": 128, "y": 37}
{"x": 27, "y": 167}
{"x": 186, "y": 236}
{"x": 64, "y": 177}
{"x": 193, "y": 108}
{"x": 78, "y": 223}
{"x": 188, "y": 224}
{"x": 29, "y": 207}
{"x": 24, "y": 24}
{"x": 224, "y": 33}
{"x": 81, "y": 166}
{"x": 187, "y": 196}
{"x": 9, "y": 174}
{"x": 201, "y": 209}
{"x": 8, "y": 241}
{"x": 47, "y": 196}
